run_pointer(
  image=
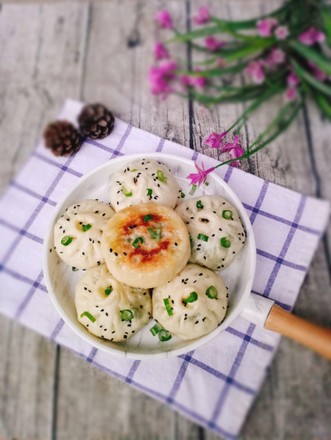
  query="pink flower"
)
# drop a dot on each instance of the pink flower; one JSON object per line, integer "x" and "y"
{"x": 202, "y": 15}
{"x": 201, "y": 176}
{"x": 213, "y": 44}
{"x": 234, "y": 149}
{"x": 160, "y": 76}
{"x": 198, "y": 82}
{"x": 255, "y": 71}
{"x": 293, "y": 80}
{"x": 164, "y": 19}
{"x": 275, "y": 57}
{"x": 312, "y": 36}
{"x": 281, "y": 32}
{"x": 291, "y": 94}
{"x": 160, "y": 51}
{"x": 266, "y": 26}
{"x": 319, "y": 74}
{"x": 215, "y": 140}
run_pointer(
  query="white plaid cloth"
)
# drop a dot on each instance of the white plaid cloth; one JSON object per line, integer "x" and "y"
{"x": 214, "y": 385}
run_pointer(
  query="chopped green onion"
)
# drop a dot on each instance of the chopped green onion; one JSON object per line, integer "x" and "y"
{"x": 182, "y": 194}
{"x": 147, "y": 217}
{"x": 108, "y": 290}
{"x": 192, "y": 298}
{"x": 225, "y": 242}
{"x": 66, "y": 240}
{"x": 160, "y": 176}
{"x": 168, "y": 306}
{"x": 227, "y": 214}
{"x": 155, "y": 234}
{"x": 193, "y": 189}
{"x": 137, "y": 242}
{"x": 126, "y": 315}
{"x": 164, "y": 335}
{"x": 89, "y": 316}
{"x": 86, "y": 227}
{"x": 133, "y": 170}
{"x": 126, "y": 192}
{"x": 211, "y": 292}
{"x": 199, "y": 204}
{"x": 155, "y": 329}
{"x": 149, "y": 191}
{"x": 207, "y": 183}
{"x": 203, "y": 237}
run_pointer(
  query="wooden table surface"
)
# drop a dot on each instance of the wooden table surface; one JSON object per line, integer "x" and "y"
{"x": 101, "y": 51}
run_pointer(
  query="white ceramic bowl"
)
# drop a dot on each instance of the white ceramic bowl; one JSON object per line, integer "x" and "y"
{"x": 61, "y": 280}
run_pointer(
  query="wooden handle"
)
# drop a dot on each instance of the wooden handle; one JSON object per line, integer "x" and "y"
{"x": 308, "y": 334}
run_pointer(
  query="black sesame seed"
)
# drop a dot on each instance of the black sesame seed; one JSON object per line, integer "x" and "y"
{"x": 102, "y": 310}
{"x": 106, "y": 314}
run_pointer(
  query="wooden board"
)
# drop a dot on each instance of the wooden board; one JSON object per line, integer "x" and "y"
{"x": 100, "y": 51}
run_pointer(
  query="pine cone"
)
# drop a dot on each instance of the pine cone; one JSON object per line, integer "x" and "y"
{"x": 96, "y": 121}
{"x": 62, "y": 138}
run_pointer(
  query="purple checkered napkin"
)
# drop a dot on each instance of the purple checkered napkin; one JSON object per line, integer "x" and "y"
{"x": 214, "y": 385}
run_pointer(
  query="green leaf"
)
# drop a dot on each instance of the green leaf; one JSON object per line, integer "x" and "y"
{"x": 326, "y": 17}
{"x": 268, "y": 94}
{"x": 217, "y": 71}
{"x": 324, "y": 104}
{"x": 252, "y": 23}
{"x": 310, "y": 79}
{"x": 196, "y": 33}
{"x": 312, "y": 55}
{"x": 281, "y": 122}
{"x": 241, "y": 50}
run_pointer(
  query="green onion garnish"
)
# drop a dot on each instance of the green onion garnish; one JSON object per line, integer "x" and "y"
{"x": 89, "y": 316}
{"x": 199, "y": 204}
{"x": 168, "y": 306}
{"x": 160, "y": 176}
{"x": 126, "y": 192}
{"x": 137, "y": 242}
{"x": 225, "y": 242}
{"x": 182, "y": 194}
{"x": 211, "y": 292}
{"x": 227, "y": 214}
{"x": 133, "y": 170}
{"x": 203, "y": 237}
{"x": 126, "y": 315}
{"x": 155, "y": 234}
{"x": 108, "y": 290}
{"x": 147, "y": 217}
{"x": 193, "y": 189}
{"x": 155, "y": 330}
{"x": 86, "y": 227}
{"x": 149, "y": 191}
{"x": 192, "y": 298}
{"x": 66, "y": 240}
{"x": 164, "y": 335}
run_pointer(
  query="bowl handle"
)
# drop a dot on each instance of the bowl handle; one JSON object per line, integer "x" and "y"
{"x": 263, "y": 311}
{"x": 306, "y": 333}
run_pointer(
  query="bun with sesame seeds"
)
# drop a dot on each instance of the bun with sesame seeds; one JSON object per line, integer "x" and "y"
{"x": 77, "y": 233}
{"x": 143, "y": 181}
{"x": 145, "y": 245}
{"x": 109, "y": 309}
{"x": 216, "y": 232}
{"x": 192, "y": 304}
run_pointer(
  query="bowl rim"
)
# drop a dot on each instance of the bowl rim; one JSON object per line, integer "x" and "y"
{"x": 93, "y": 340}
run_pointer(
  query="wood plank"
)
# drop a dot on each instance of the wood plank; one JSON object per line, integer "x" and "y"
{"x": 40, "y": 66}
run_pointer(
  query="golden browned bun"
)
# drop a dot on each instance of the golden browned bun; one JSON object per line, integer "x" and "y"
{"x": 145, "y": 245}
